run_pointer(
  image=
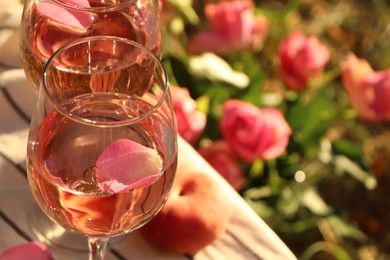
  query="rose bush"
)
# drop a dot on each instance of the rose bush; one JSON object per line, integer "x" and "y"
{"x": 295, "y": 98}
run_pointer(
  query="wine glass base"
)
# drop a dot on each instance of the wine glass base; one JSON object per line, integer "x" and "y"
{"x": 53, "y": 235}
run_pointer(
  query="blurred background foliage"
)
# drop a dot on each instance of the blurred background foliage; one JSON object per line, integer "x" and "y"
{"x": 327, "y": 197}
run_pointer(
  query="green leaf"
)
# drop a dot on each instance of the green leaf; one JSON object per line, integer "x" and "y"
{"x": 256, "y": 169}
{"x": 185, "y": 7}
{"x": 345, "y": 147}
{"x": 253, "y": 92}
{"x": 313, "y": 201}
{"x": 344, "y": 228}
{"x": 257, "y": 193}
{"x": 333, "y": 249}
{"x": 261, "y": 209}
{"x": 344, "y": 164}
{"x": 288, "y": 203}
{"x": 203, "y": 104}
{"x": 310, "y": 121}
{"x": 179, "y": 70}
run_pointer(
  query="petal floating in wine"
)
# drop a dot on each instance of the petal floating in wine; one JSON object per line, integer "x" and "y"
{"x": 31, "y": 250}
{"x": 65, "y": 16}
{"x": 125, "y": 165}
{"x": 82, "y": 3}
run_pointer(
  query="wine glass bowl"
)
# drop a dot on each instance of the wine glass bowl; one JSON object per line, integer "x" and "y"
{"x": 48, "y": 25}
{"x": 102, "y": 148}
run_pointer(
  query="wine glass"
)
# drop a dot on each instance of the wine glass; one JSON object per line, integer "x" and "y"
{"x": 48, "y": 24}
{"x": 102, "y": 147}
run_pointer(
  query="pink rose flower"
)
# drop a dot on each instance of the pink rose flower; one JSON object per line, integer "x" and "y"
{"x": 368, "y": 90}
{"x": 31, "y": 250}
{"x": 301, "y": 59}
{"x": 190, "y": 121}
{"x": 233, "y": 27}
{"x": 252, "y": 132}
{"x": 223, "y": 159}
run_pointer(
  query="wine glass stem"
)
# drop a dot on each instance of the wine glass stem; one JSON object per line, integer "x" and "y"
{"x": 97, "y": 247}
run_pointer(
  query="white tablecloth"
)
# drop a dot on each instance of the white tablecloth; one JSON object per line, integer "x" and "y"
{"x": 247, "y": 236}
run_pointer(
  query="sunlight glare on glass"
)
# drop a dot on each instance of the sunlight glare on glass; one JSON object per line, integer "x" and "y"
{"x": 55, "y": 232}
{"x": 89, "y": 57}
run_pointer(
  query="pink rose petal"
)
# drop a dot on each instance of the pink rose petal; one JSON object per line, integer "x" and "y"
{"x": 32, "y": 250}
{"x": 125, "y": 165}
{"x": 81, "y": 3}
{"x": 65, "y": 16}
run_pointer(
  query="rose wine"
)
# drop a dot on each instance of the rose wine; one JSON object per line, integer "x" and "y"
{"x": 41, "y": 35}
{"x": 62, "y": 164}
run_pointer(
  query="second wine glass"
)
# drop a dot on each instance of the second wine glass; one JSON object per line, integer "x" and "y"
{"x": 48, "y": 24}
{"x": 102, "y": 148}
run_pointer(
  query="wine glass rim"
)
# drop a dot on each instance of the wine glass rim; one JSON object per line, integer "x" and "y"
{"x": 109, "y": 8}
{"x": 74, "y": 117}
